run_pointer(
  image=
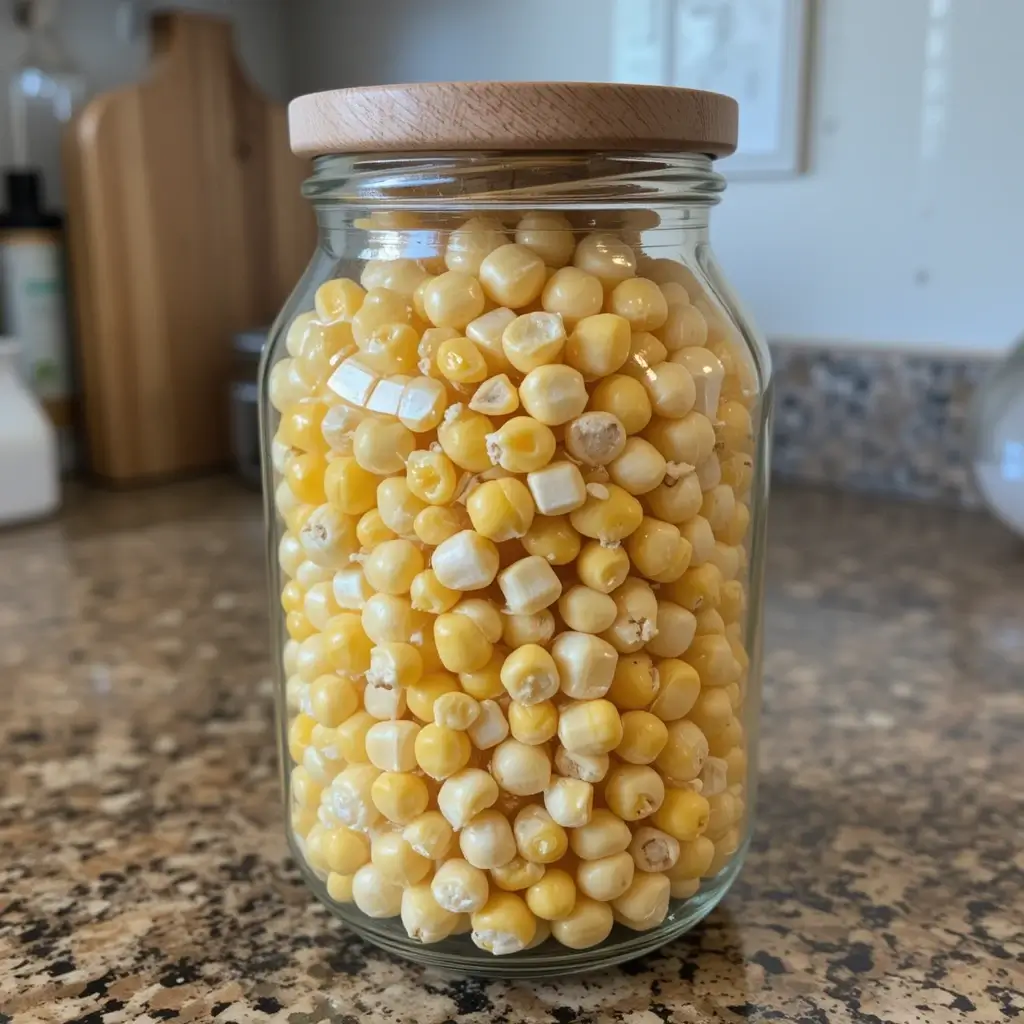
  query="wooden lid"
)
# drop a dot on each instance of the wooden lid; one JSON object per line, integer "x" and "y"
{"x": 512, "y": 116}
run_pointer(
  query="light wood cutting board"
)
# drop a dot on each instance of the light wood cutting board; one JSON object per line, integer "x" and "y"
{"x": 185, "y": 225}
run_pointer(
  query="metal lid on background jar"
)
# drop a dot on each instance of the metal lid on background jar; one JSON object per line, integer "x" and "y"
{"x": 513, "y": 116}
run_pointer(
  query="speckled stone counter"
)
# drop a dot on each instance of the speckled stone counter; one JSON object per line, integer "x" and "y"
{"x": 143, "y": 872}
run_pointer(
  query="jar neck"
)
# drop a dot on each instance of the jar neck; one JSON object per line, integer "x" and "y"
{"x": 613, "y": 189}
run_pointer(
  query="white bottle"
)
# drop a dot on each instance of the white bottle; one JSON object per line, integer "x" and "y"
{"x": 29, "y": 460}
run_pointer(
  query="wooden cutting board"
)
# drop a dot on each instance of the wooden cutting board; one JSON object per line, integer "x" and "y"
{"x": 185, "y": 225}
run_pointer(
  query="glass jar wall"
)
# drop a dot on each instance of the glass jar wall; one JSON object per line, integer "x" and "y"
{"x": 514, "y": 432}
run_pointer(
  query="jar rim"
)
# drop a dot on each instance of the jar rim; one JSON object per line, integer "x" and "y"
{"x": 514, "y": 117}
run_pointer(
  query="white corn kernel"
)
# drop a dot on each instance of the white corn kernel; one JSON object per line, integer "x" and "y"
{"x": 569, "y": 801}
{"x": 637, "y": 621}
{"x": 533, "y": 340}
{"x": 486, "y": 331}
{"x": 354, "y": 381}
{"x": 603, "y": 836}
{"x": 430, "y": 835}
{"x": 386, "y": 399}
{"x": 348, "y": 796}
{"x": 456, "y": 711}
{"x": 391, "y": 745}
{"x": 374, "y": 894}
{"x": 554, "y": 394}
{"x": 424, "y": 919}
{"x": 422, "y": 404}
{"x": 465, "y": 794}
{"x": 585, "y": 663}
{"x": 487, "y": 841}
{"x": 714, "y": 776}
{"x": 495, "y": 397}
{"x": 607, "y": 878}
{"x": 521, "y": 769}
{"x": 537, "y": 628}
{"x": 490, "y": 728}
{"x": 557, "y": 488}
{"x": 595, "y": 438}
{"x": 587, "y": 767}
{"x": 351, "y": 591}
{"x": 459, "y": 887}
{"x": 529, "y": 585}
{"x": 383, "y": 702}
{"x": 644, "y": 904}
{"x": 653, "y": 850}
{"x": 530, "y": 675}
{"x": 484, "y": 613}
{"x": 465, "y": 561}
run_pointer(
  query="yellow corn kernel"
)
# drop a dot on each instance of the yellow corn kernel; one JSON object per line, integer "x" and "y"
{"x": 374, "y": 894}
{"x": 485, "y": 683}
{"x": 430, "y": 835}
{"x": 484, "y": 613}
{"x": 300, "y": 734}
{"x": 456, "y": 711}
{"x": 713, "y": 658}
{"x": 640, "y": 467}
{"x": 388, "y": 618}
{"x": 533, "y": 723}
{"x": 338, "y": 299}
{"x": 552, "y": 538}
{"x": 599, "y": 345}
{"x": 644, "y": 736}
{"x": 512, "y": 275}
{"x": 394, "y": 665}
{"x": 486, "y": 331}
{"x": 348, "y": 645}
{"x": 305, "y": 476}
{"x": 503, "y": 925}
{"x": 517, "y": 874}
{"x": 350, "y": 737}
{"x": 658, "y": 550}
{"x": 396, "y": 860}
{"x": 487, "y": 840}
{"x": 644, "y": 905}
{"x": 428, "y": 594}
{"x": 634, "y": 791}
{"x": 423, "y": 918}
{"x": 727, "y": 558}
{"x": 689, "y": 440}
{"x": 381, "y": 307}
{"x": 463, "y": 435}
{"x": 521, "y": 769}
{"x": 518, "y": 630}
{"x": 640, "y": 302}
{"x": 529, "y": 585}
{"x": 300, "y": 426}
{"x": 712, "y": 710}
{"x": 399, "y": 796}
{"x": 695, "y": 856}
{"x": 683, "y": 814}
{"x": 588, "y": 924}
{"x": 529, "y": 675}
{"x": 737, "y": 528}
{"x": 553, "y": 896}
{"x": 653, "y": 850}
{"x": 397, "y": 505}
{"x": 725, "y": 848}
{"x": 609, "y": 515}
{"x": 453, "y": 299}
{"x": 586, "y": 610}
{"x": 738, "y": 472}
{"x": 501, "y": 510}
{"x": 606, "y": 256}
{"x": 345, "y": 851}
{"x": 685, "y": 752}
{"x": 339, "y": 887}
{"x": 435, "y": 524}
{"x": 549, "y": 235}
{"x": 590, "y": 727}
{"x": 431, "y": 477}
{"x": 553, "y": 394}
{"x": 348, "y": 487}
{"x": 402, "y": 276}
{"x": 392, "y": 566}
{"x": 520, "y": 445}
{"x": 626, "y": 399}
{"x": 602, "y": 568}
{"x": 420, "y": 697}
{"x": 332, "y": 699}
{"x": 469, "y": 243}
{"x": 734, "y": 429}
{"x": 676, "y": 630}
{"x": 698, "y": 588}
{"x": 461, "y": 643}
{"x": 678, "y": 690}
{"x": 723, "y": 740}
{"x": 677, "y": 500}
{"x": 298, "y": 626}
{"x": 461, "y": 362}
{"x": 726, "y": 811}
{"x": 636, "y": 622}
{"x": 606, "y": 878}
{"x": 573, "y": 294}
{"x": 293, "y": 597}
{"x": 371, "y": 530}
{"x": 736, "y": 765}
{"x": 533, "y": 340}
{"x": 539, "y": 839}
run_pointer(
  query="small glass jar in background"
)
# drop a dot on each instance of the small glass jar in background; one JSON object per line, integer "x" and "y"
{"x": 515, "y": 432}
{"x": 247, "y": 348}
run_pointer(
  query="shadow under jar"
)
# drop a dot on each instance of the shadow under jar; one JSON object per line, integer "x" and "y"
{"x": 514, "y": 431}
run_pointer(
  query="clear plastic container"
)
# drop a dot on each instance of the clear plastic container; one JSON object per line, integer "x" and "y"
{"x": 515, "y": 464}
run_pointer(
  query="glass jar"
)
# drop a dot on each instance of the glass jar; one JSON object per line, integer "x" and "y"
{"x": 515, "y": 432}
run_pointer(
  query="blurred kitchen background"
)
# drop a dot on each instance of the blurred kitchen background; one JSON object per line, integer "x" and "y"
{"x": 872, "y": 220}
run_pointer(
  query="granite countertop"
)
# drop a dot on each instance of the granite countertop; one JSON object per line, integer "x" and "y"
{"x": 143, "y": 871}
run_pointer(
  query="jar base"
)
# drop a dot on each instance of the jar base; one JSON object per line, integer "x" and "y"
{"x": 550, "y": 960}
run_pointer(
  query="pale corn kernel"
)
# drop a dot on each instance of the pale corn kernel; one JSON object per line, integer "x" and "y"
{"x": 328, "y": 537}
{"x": 351, "y": 591}
{"x": 497, "y": 396}
{"x": 399, "y": 796}
{"x": 712, "y": 710}
{"x": 461, "y": 362}
{"x": 517, "y": 874}
{"x": 339, "y": 887}
{"x": 394, "y": 666}
{"x": 678, "y": 688}
{"x": 736, "y": 530}
{"x": 533, "y": 340}
{"x": 421, "y": 696}
{"x": 736, "y": 765}
{"x": 485, "y": 683}
{"x": 440, "y": 751}
{"x": 587, "y": 610}
{"x": 734, "y": 428}
{"x": 512, "y": 275}
{"x": 689, "y": 440}
{"x": 389, "y": 351}
{"x": 484, "y": 613}
{"x": 487, "y": 331}
{"x": 590, "y": 727}
{"x": 553, "y": 394}
{"x": 723, "y": 740}
{"x": 727, "y": 558}
{"x": 317, "y": 603}
{"x": 624, "y": 398}
{"x": 640, "y": 302}
{"x": 608, "y": 516}
{"x": 402, "y": 276}
{"x": 390, "y": 746}
{"x": 539, "y": 838}
{"x": 354, "y": 380}
{"x": 606, "y": 878}
{"x": 429, "y": 835}
{"x": 602, "y": 568}
{"x": 607, "y": 257}
{"x": 599, "y": 345}
{"x": 490, "y": 728}
{"x": 348, "y": 645}
{"x": 396, "y": 860}
{"x": 428, "y": 594}
{"x": 573, "y": 294}
{"x": 702, "y": 540}
{"x": 300, "y": 427}
{"x": 464, "y": 436}
{"x": 639, "y": 468}
{"x": 349, "y": 797}
{"x": 726, "y": 811}
{"x": 698, "y": 588}
{"x": 392, "y": 566}
{"x": 465, "y": 794}
{"x": 350, "y": 737}
{"x": 683, "y": 814}
{"x": 285, "y": 386}
{"x": 588, "y": 924}
{"x": 644, "y": 736}
{"x": 738, "y": 472}
{"x": 387, "y": 618}
{"x": 375, "y": 894}
{"x": 634, "y": 791}
{"x": 676, "y": 629}
{"x": 423, "y": 918}
{"x": 289, "y": 657}
{"x": 585, "y": 664}
{"x": 469, "y": 243}
{"x": 595, "y": 438}
{"x": 332, "y": 699}
{"x": 381, "y": 307}
{"x": 653, "y": 850}
{"x": 644, "y": 905}
{"x": 645, "y": 353}
{"x": 570, "y": 802}
{"x": 519, "y": 630}
{"x": 455, "y": 710}
{"x": 676, "y": 500}
{"x": 725, "y": 848}
{"x": 422, "y": 404}
{"x": 371, "y": 529}
{"x": 431, "y": 477}
{"x": 305, "y": 791}
{"x": 461, "y": 643}
{"x": 694, "y": 860}
{"x": 521, "y": 769}
{"x": 429, "y": 343}
{"x": 529, "y": 585}
{"x": 459, "y": 887}
{"x": 520, "y": 445}
{"x": 466, "y": 561}
{"x": 530, "y": 675}
{"x": 713, "y": 658}
{"x": 670, "y": 389}
{"x": 453, "y": 299}
{"x": 313, "y": 658}
{"x": 435, "y": 524}
{"x": 501, "y": 510}
{"x": 685, "y": 327}
{"x": 708, "y": 375}
{"x": 487, "y": 840}
{"x": 553, "y": 539}
{"x": 558, "y": 488}
{"x": 397, "y": 505}
{"x": 586, "y": 767}
{"x": 685, "y": 752}
{"x": 732, "y": 601}
{"x": 338, "y": 299}
{"x": 637, "y": 618}
{"x": 549, "y": 235}
{"x": 533, "y": 723}
{"x": 503, "y": 925}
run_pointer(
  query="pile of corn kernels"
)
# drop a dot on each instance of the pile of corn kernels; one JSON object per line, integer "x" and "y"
{"x": 514, "y": 486}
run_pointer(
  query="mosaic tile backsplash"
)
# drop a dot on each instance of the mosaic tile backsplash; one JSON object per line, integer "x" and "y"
{"x": 889, "y": 422}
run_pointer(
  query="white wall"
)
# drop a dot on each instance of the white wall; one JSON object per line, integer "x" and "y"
{"x": 906, "y": 228}
{"x": 86, "y": 29}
